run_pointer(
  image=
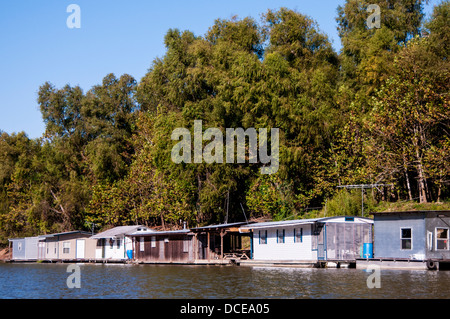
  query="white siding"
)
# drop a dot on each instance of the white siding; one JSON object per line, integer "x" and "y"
{"x": 114, "y": 252}
{"x": 289, "y": 250}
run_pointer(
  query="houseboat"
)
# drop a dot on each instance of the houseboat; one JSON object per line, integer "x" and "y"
{"x": 221, "y": 243}
{"x": 318, "y": 242}
{"x": 176, "y": 246}
{"x": 65, "y": 246}
{"x": 410, "y": 239}
{"x": 113, "y": 245}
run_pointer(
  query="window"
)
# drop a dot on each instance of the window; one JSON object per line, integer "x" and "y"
{"x": 298, "y": 235}
{"x": 441, "y": 238}
{"x": 349, "y": 219}
{"x": 280, "y": 236}
{"x": 111, "y": 243}
{"x": 186, "y": 245}
{"x": 66, "y": 247}
{"x": 141, "y": 243}
{"x": 118, "y": 243}
{"x": 406, "y": 238}
{"x": 263, "y": 237}
{"x": 153, "y": 241}
{"x": 19, "y": 246}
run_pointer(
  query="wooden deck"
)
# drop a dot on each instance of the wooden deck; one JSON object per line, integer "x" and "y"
{"x": 72, "y": 261}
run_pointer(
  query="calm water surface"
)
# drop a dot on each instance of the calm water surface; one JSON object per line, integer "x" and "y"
{"x": 48, "y": 281}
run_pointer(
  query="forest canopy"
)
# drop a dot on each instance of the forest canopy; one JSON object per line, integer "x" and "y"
{"x": 377, "y": 112}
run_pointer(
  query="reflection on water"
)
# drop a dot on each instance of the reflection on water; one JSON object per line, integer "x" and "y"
{"x": 167, "y": 281}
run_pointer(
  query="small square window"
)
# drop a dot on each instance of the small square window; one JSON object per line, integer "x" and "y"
{"x": 66, "y": 247}
{"x": 280, "y": 236}
{"x": 442, "y": 238}
{"x": 186, "y": 245}
{"x": 298, "y": 235}
{"x": 406, "y": 238}
{"x": 263, "y": 237}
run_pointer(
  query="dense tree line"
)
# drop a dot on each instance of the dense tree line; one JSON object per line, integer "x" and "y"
{"x": 377, "y": 112}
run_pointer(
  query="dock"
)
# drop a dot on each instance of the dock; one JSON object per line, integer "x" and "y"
{"x": 404, "y": 263}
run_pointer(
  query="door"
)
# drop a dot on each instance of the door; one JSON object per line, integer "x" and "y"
{"x": 321, "y": 242}
{"x": 81, "y": 243}
{"x": 202, "y": 246}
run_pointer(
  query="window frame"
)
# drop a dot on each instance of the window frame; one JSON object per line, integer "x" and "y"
{"x": 262, "y": 239}
{"x": 186, "y": 244}
{"x": 66, "y": 245}
{"x": 281, "y": 239}
{"x": 298, "y": 235}
{"x": 406, "y": 238}
{"x": 436, "y": 239}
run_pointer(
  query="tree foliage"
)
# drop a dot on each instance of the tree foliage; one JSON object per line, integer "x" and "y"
{"x": 378, "y": 111}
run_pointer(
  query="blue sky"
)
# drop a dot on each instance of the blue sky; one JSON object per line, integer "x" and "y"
{"x": 116, "y": 36}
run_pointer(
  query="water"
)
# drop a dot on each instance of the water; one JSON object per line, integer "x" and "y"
{"x": 49, "y": 281}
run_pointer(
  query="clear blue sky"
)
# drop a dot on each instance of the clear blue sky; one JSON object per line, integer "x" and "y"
{"x": 116, "y": 36}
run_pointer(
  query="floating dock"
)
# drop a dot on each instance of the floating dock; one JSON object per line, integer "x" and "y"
{"x": 404, "y": 263}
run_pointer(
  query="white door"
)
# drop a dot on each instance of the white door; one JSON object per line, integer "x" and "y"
{"x": 80, "y": 248}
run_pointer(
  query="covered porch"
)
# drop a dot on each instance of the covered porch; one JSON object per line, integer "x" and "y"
{"x": 221, "y": 243}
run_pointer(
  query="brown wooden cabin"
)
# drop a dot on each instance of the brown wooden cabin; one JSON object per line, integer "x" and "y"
{"x": 223, "y": 241}
{"x": 175, "y": 246}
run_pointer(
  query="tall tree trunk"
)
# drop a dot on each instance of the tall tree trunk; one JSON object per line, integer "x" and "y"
{"x": 422, "y": 182}
{"x": 408, "y": 185}
{"x": 420, "y": 171}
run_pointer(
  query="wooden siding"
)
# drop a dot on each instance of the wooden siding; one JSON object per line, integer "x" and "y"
{"x": 164, "y": 248}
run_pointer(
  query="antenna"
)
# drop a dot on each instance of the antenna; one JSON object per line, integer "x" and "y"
{"x": 228, "y": 202}
{"x": 244, "y": 212}
{"x": 363, "y": 186}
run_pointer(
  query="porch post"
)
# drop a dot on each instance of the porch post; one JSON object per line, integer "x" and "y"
{"x": 209, "y": 247}
{"x": 222, "y": 233}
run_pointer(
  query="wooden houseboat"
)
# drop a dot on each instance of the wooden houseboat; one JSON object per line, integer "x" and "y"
{"x": 176, "y": 246}
{"x": 222, "y": 243}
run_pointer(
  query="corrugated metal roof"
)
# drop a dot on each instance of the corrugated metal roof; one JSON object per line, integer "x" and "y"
{"x": 220, "y": 226}
{"x": 300, "y": 222}
{"x": 161, "y": 233}
{"x": 66, "y": 233}
{"x": 117, "y": 231}
{"x": 281, "y": 223}
{"x": 41, "y": 237}
{"x": 412, "y": 211}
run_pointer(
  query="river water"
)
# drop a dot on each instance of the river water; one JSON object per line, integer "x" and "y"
{"x": 49, "y": 281}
